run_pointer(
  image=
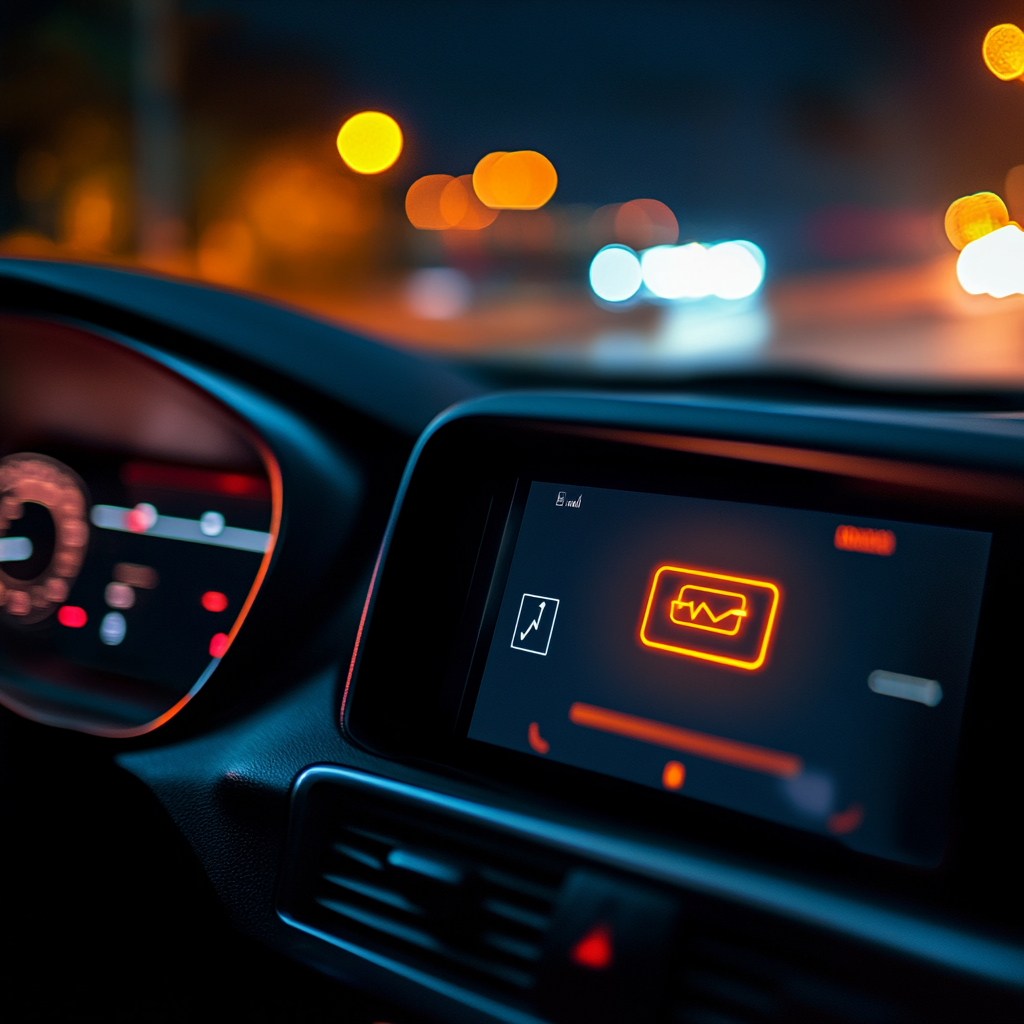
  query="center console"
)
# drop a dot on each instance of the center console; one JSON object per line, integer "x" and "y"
{"x": 699, "y": 673}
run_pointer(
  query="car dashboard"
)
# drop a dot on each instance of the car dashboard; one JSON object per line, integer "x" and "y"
{"x": 514, "y": 705}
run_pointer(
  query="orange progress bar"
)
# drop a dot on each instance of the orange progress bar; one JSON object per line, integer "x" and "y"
{"x": 741, "y": 755}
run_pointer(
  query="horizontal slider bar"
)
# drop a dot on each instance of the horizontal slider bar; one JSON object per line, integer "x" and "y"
{"x": 15, "y": 549}
{"x": 894, "y": 684}
{"x": 715, "y": 748}
{"x": 113, "y": 517}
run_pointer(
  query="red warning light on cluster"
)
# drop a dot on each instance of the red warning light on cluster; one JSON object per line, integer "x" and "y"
{"x": 218, "y": 645}
{"x": 214, "y": 601}
{"x": 73, "y": 616}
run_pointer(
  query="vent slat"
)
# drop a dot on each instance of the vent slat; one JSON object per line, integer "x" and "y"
{"x": 430, "y": 867}
{"x": 514, "y": 947}
{"x": 373, "y": 892}
{"x": 359, "y": 856}
{"x": 383, "y": 924}
{"x": 520, "y": 915}
{"x": 521, "y": 885}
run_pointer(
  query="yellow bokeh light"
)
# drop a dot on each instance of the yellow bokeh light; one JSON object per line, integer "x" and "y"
{"x": 524, "y": 180}
{"x": 1003, "y": 50}
{"x": 370, "y": 142}
{"x": 972, "y": 217}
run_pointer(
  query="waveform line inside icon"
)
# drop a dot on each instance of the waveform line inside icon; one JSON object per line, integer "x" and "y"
{"x": 693, "y": 600}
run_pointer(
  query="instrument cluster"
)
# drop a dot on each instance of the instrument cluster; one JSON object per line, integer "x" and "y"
{"x": 138, "y": 517}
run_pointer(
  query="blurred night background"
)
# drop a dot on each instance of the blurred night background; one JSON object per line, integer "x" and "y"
{"x": 197, "y": 138}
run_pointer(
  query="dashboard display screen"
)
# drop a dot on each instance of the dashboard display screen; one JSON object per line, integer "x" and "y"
{"x": 804, "y": 667}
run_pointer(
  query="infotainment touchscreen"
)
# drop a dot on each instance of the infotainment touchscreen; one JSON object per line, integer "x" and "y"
{"x": 805, "y": 667}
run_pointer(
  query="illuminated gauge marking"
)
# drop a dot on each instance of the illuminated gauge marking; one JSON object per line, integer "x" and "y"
{"x": 42, "y": 501}
{"x": 113, "y": 628}
{"x": 114, "y": 517}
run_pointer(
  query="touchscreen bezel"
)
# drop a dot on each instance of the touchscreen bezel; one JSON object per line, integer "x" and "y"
{"x": 434, "y": 730}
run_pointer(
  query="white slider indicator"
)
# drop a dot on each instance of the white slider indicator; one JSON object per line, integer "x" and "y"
{"x": 895, "y": 684}
{"x": 127, "y": 520}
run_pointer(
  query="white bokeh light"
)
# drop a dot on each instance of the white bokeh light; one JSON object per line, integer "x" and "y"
{"x": 729, "y": 270}
{"x": 664, "y": 271}
{"x": 993, "y": 264}
{"x": 734, "y": 272}
{"x": 615, "y": 273}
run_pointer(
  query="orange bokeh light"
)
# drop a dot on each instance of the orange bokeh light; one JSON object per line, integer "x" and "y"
{"x": 461, "y": 207}
{"x": 1003, "y": 51}
{"x": 438, "y": 202}
{"x": 423, "y": 202}
{"x": 524, "y": 180}
{"x": 972, "y": 217}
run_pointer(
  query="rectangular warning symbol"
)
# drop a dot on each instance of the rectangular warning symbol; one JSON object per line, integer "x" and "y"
{"x": 715, "y": 617}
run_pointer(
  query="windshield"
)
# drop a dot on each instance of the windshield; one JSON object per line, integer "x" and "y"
{"x": 629, "y": 189}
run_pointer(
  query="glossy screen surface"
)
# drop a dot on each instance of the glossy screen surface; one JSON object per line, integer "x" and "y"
{"x": 803, "y": 667}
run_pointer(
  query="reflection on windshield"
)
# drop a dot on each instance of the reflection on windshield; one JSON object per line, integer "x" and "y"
{"x": 619, "y": 189}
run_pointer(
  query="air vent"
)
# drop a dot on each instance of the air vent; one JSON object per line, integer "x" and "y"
{"x": 435, "y": 893}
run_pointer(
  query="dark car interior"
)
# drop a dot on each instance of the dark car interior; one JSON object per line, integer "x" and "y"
{"x": 470, "y": 630}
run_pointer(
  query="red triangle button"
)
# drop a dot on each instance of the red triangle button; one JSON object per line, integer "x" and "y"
{"x": 595, "y": 949}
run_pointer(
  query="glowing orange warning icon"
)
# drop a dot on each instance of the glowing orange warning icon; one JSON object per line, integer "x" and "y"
{"x": 708, "y": 615}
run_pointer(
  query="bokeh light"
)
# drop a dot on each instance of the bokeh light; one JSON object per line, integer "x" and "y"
{"x": 665, "y": 271}
{"x": 524, "y": 180}
{"x": 482, "y": 179}
{"x": 370, "y": 142}
{"x": 461, "y": 207}
{"x": 645, "y": 222}
{"x": 437, "y": 202}
{"x": 734, "y": 271}
{"x": 615, "y": 273}
{"x": 438, "y": 293}
{"x": 423, "y": 202}
{"x": 993, "y": 264}
{"x": 971, "y": 217}
{"x": 1003, "y": 51}
{"x": 729, "y": 270}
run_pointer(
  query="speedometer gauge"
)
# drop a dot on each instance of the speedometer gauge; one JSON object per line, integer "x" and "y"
{"x": 43, "y": 535}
